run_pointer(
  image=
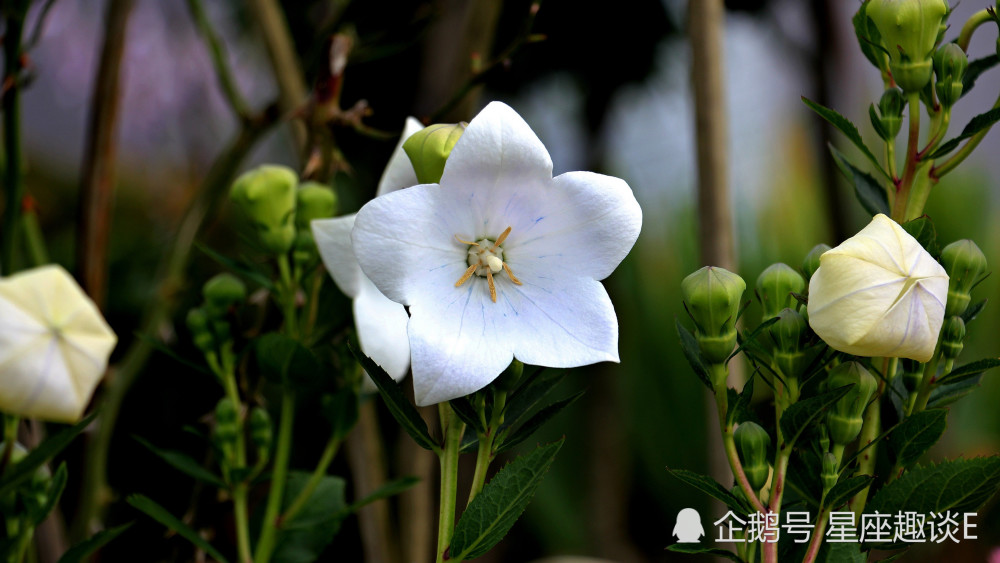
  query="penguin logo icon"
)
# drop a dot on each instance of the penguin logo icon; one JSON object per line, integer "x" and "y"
{"x": 688, "y": 528}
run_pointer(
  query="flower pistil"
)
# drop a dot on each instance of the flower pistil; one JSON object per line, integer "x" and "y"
{"x": 486, "y": 259}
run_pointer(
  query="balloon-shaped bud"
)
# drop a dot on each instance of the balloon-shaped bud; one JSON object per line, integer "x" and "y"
{"x": 912, "y": 372}
{"x": 314, "y": 201}
{"x": 909, "y": 30}
{"x": 950, "y": 62}
{"x": 890, "y": 108}
{"x": 223, "y": 291}
{"x": 201, "y": 332}
{"x": 879, "y": 294}
{"x": 752, "y": 443}
{"x": 811, "y": 262}
{"x": 261, "y": 430}
{"x": 952, "y": 337}
{"x": 429, "y": 148}
{"x": 966, "y": 265}
{"x": 831, "y": 471}
{"x": 775, "y": 287}
{"x": 267, "y": 197}
{"x": 712, "y": 297}
{"x": 226, "y": 421}
{"x": 788, "y": 335}
{"x": 845, "y": 418}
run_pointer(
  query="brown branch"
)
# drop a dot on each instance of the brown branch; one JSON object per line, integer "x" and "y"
{"x": 98, "y": 178}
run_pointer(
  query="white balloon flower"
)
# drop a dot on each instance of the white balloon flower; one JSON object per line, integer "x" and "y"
{"x": 879, "y": 294}
{"x": 54, "y": 345}
{"x": 381, "y": 324}
{"x": 499, "y": 260}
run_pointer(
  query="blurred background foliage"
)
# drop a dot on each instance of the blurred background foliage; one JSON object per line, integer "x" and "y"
{"x": 606, "y": 90}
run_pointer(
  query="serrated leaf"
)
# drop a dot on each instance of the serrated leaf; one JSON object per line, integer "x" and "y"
{"x": 697, "y": 549}
{"x": 467, "y": 413}
{"x": 972, "y": 311}
{"x": 837, "y": 552}
{"x": 804, "y": 412}
{"x": 916, "y": 434}
{"x": 968, "y": 370}
{"x": 341, "y": 410}
{"x": 976, "y": 68}
{"x": 401, "y": 409}
{"x": 184, "y": 463}
{"x": 492, "y": 513}
{"x": 83, "y": 550}
{"x": 238, "y": 267}
{"x": 284, "y": 360}
{"x": 739, "y": 403}
{"x": 303, "y": 538}
{"x": 944, "y": 395}
{"x": 961, "y": 485}
{"x": 689, "y": 345}
{"x": 712, "y": 488}
{"x": 923, "y": 230}
{"x": 163, "y": 516}
{"x": 392, "y": 488}
{"x": 845, "y": 489}
{"x": 524, "y": 431}
{"x": 869, "y": 39}
{"x": 868, "y": 191}
{"x": 847, "y": 128}
{"x": 978, "y": 123}
{"x": 530, "y": 394}
{"x": 14, "y": 476}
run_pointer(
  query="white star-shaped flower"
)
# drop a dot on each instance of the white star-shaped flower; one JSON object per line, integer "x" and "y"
{"x": 381, "y": 324}
{"x": 54, "y": 345}
{"x": 499, "y": 260}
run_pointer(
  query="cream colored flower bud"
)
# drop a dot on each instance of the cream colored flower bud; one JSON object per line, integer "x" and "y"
{"x": 54, "y": 345}
{"x": 879, "y": 294}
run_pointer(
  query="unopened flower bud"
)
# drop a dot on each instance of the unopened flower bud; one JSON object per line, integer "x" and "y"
{"x": 267, "y": 196}
{"x": 752, "y": 443}
{"x": 226, "y": 423}
{"x": 952, "y": 335}
{"x": 913, "y": 372}
{"x": 261, "y": 431}
{"x": 811, "y": 262}
{"x": 224, "y": 291}
{"x": 845, "y": 418}
{"x": 787, "y": 335}
{"x": 966, "y": 265}
{"x": 775, "y": 287}
{"x": 831, "y": 471}
{"x": 890, "y": 108}
{"x": 712, "y": 297}
{"x": 429, "y": 148}
{"x": 304, "y": 251}
{"x": 950, "y": 62}
{"x": 314, "y": 201}
{"x": 909, "y": 30}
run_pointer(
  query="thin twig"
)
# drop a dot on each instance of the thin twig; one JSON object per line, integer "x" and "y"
{"x": 217, "y": 50}
{"x": 36, "y": 32}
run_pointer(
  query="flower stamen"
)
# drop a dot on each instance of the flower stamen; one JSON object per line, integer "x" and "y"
{"x": 465, "y": 277}
{"x": 510, "y": 274}
{"x": 500, "y": 239}
{"x": 485, "y": 258}
{"x": 493, "y": 287}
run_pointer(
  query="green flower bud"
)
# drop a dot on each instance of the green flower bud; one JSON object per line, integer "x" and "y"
{"x": 952, "y": 335}
{"x": 267, "y": 196}
{"x": 890, "y": 107}
{"x": 226, "y": 422}
{"x": 950, "y": 62}
{"x": 201, "y": 334}
{"x": 261, "y": 430}
{"x": 314, "y": 201}
{"x": 712, "y": 298}
{"x": 844, "y": 419}
{"x": 811, "y": 262}
{"x": 305, "y": 250}
{"x": 224, "y": 291}
{"x": 831, "y": 471}
{"x": 913, "y": 372}
{"x": 752, "y": 443}
{"x": 775, "y": 286}
{"x": 788, "y": 335}
{"x": 909, "y": 30}
{"x": 429, "y": 148}
{"x": 965, "y": 265}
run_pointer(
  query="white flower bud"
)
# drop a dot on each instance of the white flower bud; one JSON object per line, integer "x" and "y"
{"x": 879, "y": 294}
{"x": 54, "y": 345}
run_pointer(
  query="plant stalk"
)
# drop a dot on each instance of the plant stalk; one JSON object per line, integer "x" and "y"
{"x": 452, "y": 428}
{"x": 279, "y": 475}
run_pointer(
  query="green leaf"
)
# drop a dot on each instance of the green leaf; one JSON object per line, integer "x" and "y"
{"x": 392, "y": 488}
{"x": 973, "y": 311}
{"x": 689, "y": 345}
{"x": 184, "y": 463}
{"x": 54, "y": 490}
{"x": 467, "y": 413}
{"x": 739, "y": 406}
{"x": 712, "y": 488}
{"x": 303, "y": 538}
{"x": 284, "y": 360}
{"x": 697, "y": 549}
{"x": 24, "y": 469}
{"x": 976, "y": 68}
{"x": 524, "y": 431}
{"x": 915, "y": 435}
{"x": 869, "y": 39}
{"x": 751, "y": 338}
{"x": 530, "y": 394}
{"x": 163, "y": 516}
{"x": 869, "y": 192}
{"x": 244, "y": 270}
{"x": 968, "y": 371}
{"x": 961, "y": 485}
{"x": 402, "y": 410}
{"x": 979, "y": 123}
{"x": 944, "y": 395}
{"x": 492, "y": 513}
{"x": 341, "y": 411}
{"x": 923, "y": 230}
{"x": 83, "y": 550}
{"x": 847, "y": 128}
{"x": 836, "y": 552}
{"x": 880, "y": 129}
{"x": 803, "y": 413}
{"x": 845, "y": 489}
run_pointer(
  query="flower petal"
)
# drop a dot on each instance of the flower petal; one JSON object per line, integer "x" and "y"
{"x": 381, "y": 331}
{"x": 333, "y": 238}
{"x": 399, "y": 172}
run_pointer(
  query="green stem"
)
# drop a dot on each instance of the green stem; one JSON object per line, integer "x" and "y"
{"x": 870, "y": 428}
{"x": 817, "y": 538}
{"x": 287, "y": 295}
{"x": 977, "y": 19}
{"x": 926, "y": 382}
{"x": 13, "y": 180}
{"x": 890, "y": 164}
{"x": 23, "y": 542}
{"x": 910, "y": 166}
{"x": 216, "y": 49}
{"x": 10, "y": 423}
{"x": 33, "y": 238}
{"x": 717, "y": 372}
{"x": 227, "y": 374}
{"x": 317, "y": 475}
{"x": 242, "y": 522}
{"x": 483, "y": 458}
{"x": 268, "y": 534}
{"x": 962, "y": 153}
{"x": 452, "y": 428}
